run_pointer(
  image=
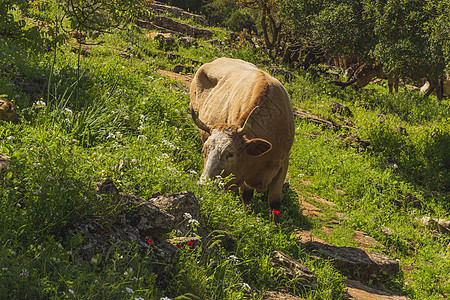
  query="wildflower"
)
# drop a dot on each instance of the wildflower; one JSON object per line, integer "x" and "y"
{"x": 187, "y": 216}
{"x": 179, "y": 246}
{"x": 277, "y": 212}
{"x": 24, "y": 273}
{"x": 139, "y": 298}
{"x": 246, "y": 286}
{"x": 10, "y": 137}
{"x": 164, "y": 298}
{"x": 39, "y": 104}
{"x": 71, "y": 291}
{"x": 190, "y": 243}
{"x": 193, "y": 222}
{"x": 68, "y": 111}
{"x": 134, "y": 160}
{"x": 234, "y": 257}
{"x": 129, "y": 290}
{"x": 4, "y": 269}
{"x": 150, "y": 241}
{"x": 94, "y": 261}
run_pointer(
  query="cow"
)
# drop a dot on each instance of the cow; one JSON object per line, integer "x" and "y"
{"x": 246, "y": 124}
{"x": 439, "y": 87}
{"x": 365, "y": 73}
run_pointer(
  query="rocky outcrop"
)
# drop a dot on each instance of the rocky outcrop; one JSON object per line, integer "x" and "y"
{"x": 358, "y": 263}
{"x": 8, "y": 112}
{"x": 292, "y": 268}
{"x": 161, "y": 8}
{"x": 165, "y": 24}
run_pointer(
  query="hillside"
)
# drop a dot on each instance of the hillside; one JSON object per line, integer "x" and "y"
{"x": 100, "y": 160}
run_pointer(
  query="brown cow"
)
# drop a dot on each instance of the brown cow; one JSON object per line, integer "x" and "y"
{"x": 247, "y": 127}
{"x": 366, "y": 73}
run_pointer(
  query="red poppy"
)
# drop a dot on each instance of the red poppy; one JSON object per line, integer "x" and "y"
{"x": 277, "y": 212}
{"x": 150, "y": 241}
{"x": 190, "y": 243}
{"x": 179, "y": 246}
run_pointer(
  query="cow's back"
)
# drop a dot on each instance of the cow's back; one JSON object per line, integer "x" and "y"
{"x": 226, "y": 90}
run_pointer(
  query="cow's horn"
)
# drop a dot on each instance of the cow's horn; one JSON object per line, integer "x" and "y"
{"x": 199, "y": 122}
{"x": 247, "y": 124}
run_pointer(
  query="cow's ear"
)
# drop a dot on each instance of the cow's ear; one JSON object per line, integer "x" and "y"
{"x": 257, "y": 147}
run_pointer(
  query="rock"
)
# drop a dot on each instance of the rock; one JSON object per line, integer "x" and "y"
{"x": 292, "y": 268}
{"x": 341, "y": 109}
{"x": 178, "y": 12}
{"x": 359, "y": 291}
{"x": 107, "y": 187}
{"x": 183, "y": 69}
{"x": 186, "y": 241}
{"x": 440, "y": 225}
{"x": 358, "y": 263}
{"x": 166, "y": 41}
{"x": 273, "y": 295}
{"x": 4, "y": 161}
{"x": 187, "y": 42}
{"x": 147, "y": 218}
{"x": 8, "y": 112}
{"x": 353, "y": 140}
{"x": 184, "y": 207}
{"x": 95, "y": 238}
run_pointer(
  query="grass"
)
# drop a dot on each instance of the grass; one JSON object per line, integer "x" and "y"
{"x": 122, "y": 120}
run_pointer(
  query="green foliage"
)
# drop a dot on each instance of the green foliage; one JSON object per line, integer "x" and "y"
{"x": 112, "y": 115}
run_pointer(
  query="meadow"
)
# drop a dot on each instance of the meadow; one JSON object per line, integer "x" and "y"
{"x": 105, "y": 111}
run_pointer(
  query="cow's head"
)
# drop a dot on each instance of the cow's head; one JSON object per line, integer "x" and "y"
{"x": 227, "y": 149}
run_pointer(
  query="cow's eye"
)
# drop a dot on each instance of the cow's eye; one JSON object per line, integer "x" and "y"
{"x": 229, "y": 155}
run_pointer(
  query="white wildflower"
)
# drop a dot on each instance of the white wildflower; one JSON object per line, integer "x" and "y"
{"x": 141, "y": 137}
{"x": 134, "y": 160}
{"x": 118, "y": 135}
{"x": 10, "y": 137}
{"x": 193, "y": 172}
{"x": 165, "y": 298}
{"x": 94, "y": 261}
{"x": 193, "y": 222}
{"x": 234, "y": 257}
{"x": 68, "y": 111}
{"x": 39, "y": 104}
{"x": 246, "y": 286}
{"x": 187, "y": 216}
{"x": 24, "y": 273}
{"x": 129, "y": 290}
{"x": 71, "y": 291}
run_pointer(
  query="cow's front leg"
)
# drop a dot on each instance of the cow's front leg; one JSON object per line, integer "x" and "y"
{"x": 275, "y": 192}
{"x": 246, "y": 194}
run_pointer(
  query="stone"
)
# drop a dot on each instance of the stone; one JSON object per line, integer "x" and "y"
{"x": 358, "y": 263}
{"x": 184, "y": 208}
{"x": 353, "y": 140}
{"x": 4, "y": 161}
{"x": 146, "y": 217}
{"x": 292, "y": 268}
{"x": 8, "y": 112}
{"x": 274, "y": 295}
{"x": 107, "y": 186}
{"x": 341, "y": 109}
{"x": 358, "y": 291}
{"x": 187, "y": 42}
{"x": 183, "y": 69}
{"x": 96, "y": 238}
{"x": 440, "y": 225}
{"x": 186, "y": 241}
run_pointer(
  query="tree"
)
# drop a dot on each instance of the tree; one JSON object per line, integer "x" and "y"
{"x": 271, "y": 25}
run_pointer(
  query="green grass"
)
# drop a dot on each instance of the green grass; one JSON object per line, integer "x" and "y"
{"x": 120, "y": 112}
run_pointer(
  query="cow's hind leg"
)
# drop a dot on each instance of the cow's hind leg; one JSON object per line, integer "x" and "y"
{"x": 275, "y": 191}
{"x": 246, "y": 194}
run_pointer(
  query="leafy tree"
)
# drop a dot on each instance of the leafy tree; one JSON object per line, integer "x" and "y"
{"x": 271, "y": 24}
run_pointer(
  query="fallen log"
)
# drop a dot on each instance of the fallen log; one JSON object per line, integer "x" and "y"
{"x": 298, "y": 113}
